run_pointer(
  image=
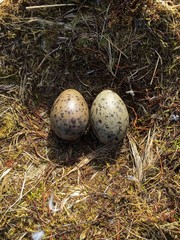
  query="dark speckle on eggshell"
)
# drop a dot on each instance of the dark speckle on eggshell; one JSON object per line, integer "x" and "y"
{"x": 69, "y": 115}
{"x": 109, "y": 117}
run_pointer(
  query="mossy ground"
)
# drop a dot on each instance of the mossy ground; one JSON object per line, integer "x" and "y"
{"x": 127, "y": 192}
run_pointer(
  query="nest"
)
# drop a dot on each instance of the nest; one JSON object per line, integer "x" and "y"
{"x": 54, "y": 189}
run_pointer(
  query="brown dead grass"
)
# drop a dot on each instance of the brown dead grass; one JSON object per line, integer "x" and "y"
{"x": 84, "y": 190}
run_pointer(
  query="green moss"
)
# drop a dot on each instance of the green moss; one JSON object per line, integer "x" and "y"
{"x": 7, "y": 125}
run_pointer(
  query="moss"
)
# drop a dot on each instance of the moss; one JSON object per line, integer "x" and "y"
{"x": 7, "y": 125}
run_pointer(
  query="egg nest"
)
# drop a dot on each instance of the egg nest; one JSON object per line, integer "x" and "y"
{"x": 83, "y": 189}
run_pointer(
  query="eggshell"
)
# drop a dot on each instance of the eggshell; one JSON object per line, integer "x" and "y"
{"x": 109, "y": 117}
{"x": 69, "y": 115}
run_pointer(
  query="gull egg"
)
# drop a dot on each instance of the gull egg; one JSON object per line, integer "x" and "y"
{"x": 109, "y": 117}
{"x": 69, "y": 115}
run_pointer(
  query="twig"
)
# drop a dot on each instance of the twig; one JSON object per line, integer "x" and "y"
{"x": 46, "y": 56}
{"x": 49, "y": 6}
{"x": 18, "y": 200}
{"x": 87, "y": 159}
{"x": 109, "y": 41}
{"x": 149, "y": 157}
{"x": 5, "y": 173}
{"x": 155, "y": 69}
{"x": 105, "y": 21}
{"x": 4, "y": 111}
{"x": 176, "y": 6}
{"x": 24, "y": 181}
{"x": 137, "y": 157}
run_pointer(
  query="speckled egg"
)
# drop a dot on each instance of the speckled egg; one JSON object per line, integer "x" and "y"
{"x": 109, "y": 117}
{"x": 69, "y": 115}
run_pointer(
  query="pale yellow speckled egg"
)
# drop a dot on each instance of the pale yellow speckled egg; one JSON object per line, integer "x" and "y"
{"x": 109, "y": 117}
{"x": 69, "y": 115}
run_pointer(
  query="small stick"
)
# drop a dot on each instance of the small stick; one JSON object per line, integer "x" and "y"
{"x": 52, "y": 5}
{"x": 176, "y": 6}
{"x": 156, "y": 66}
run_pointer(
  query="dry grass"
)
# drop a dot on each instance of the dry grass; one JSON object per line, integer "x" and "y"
{"x": 84, "y": 190}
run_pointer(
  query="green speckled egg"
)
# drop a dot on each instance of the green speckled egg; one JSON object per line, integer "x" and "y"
{"x": 69, "y": 115}
{"x": 109, "y": 117}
